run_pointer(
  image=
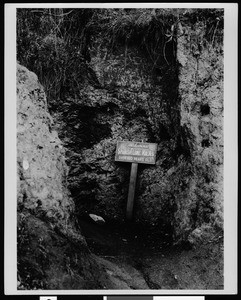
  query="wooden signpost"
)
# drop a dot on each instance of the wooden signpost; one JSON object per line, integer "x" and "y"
{"x": 134, "y": 152}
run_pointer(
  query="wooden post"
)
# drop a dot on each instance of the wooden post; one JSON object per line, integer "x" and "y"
{"x": 134, "y": 152}
{"x": 131, "y": 193}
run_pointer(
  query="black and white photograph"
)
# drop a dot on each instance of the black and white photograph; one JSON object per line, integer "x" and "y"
{"x": 120, "y": 149}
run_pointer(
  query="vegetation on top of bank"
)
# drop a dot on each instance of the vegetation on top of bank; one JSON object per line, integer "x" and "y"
{"x": 56, "y": 43}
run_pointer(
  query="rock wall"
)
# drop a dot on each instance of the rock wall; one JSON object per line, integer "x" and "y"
{"x": 66, "y": 166}
{"x": 42, "y": 170}
{"x": 52, "y": 254}
{"x": 135, "y": 103}
{"x": 175, "y": 102}
{"x": 201, "y": 94}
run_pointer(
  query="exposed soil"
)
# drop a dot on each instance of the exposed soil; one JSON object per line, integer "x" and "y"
{"x": 139, "y": 259}
{"x": 124, "y": 258}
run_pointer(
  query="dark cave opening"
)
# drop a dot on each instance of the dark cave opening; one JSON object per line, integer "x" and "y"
{"x": 205, "y": 109}
{"x": 206, "y": 143}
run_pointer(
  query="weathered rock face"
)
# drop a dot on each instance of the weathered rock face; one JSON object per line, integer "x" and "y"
{"x": 171, "y": 94}
{"x": 173, "y": 99}
{"x": 42, "y": 169}
{"x": 201, "y": 93}
{"x": 177, "y": 104}
{"x": 133, "y": 105}
{"x": 52, "y": 254}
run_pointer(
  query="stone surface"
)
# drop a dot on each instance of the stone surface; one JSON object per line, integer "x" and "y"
{"x": 182, "y": 113}
{"x": 201, "y": 92}
{"x": 176, "y": 102}
{"x": 42, "y": 170}
{"x": 97, "y": 219}
{"x": 52, "y": 254}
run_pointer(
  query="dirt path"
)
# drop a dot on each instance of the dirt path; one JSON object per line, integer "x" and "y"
{"x": 135, "y": 259}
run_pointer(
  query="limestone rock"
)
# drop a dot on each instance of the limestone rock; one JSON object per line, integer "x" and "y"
{"x": 41, "y": 169}
{"x": 97, "y": 219}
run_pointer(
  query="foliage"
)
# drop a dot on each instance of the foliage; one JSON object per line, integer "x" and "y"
{"x": 144, "y": 28}
{"x": 153, "y": 30}
{"x": 56, "y": 43}
{"x": 50, "y": 43}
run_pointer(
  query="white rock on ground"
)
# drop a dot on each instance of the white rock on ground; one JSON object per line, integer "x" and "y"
{"x": 97, "y": 219}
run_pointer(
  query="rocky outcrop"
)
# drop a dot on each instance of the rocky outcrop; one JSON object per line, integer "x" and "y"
{"x": 42, "y": 170}
{"x": 52, "y": 254}
{"x": 166, "y": 87}
{"x": 201, "y": 111}
{"x": 175, "y": 102}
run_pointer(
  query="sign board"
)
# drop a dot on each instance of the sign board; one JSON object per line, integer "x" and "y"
{"x": 136, "y": 152}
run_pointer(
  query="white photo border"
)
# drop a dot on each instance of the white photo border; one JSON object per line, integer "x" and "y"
{"x": 230, "y": 149}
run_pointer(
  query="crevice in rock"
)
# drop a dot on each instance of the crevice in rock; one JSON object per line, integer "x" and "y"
{"x": 206, "y": 143}
{"x": 205, "y": 109}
